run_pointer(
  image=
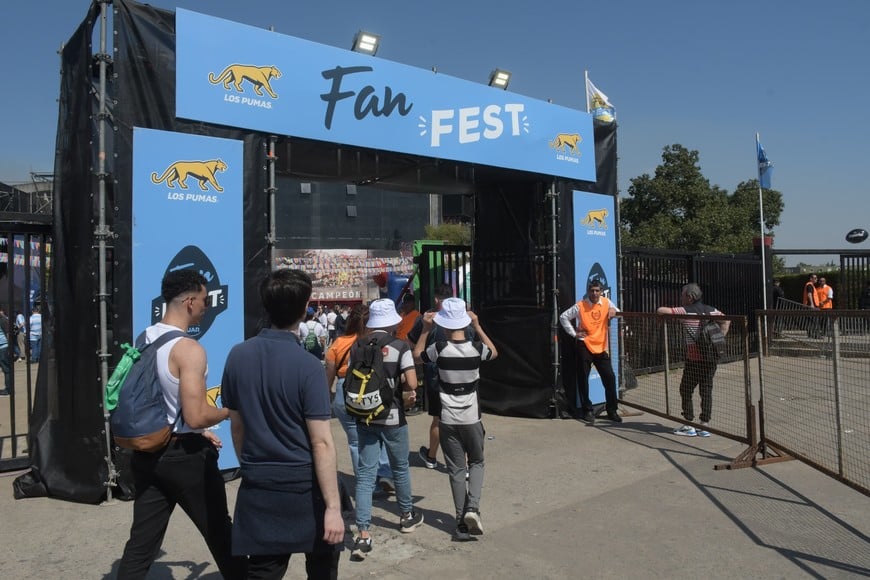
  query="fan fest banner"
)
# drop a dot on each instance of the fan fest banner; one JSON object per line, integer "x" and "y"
{"x": 241, "y": 76}
{"x": 595, "y": 258}
{"x": 187, "y": 208}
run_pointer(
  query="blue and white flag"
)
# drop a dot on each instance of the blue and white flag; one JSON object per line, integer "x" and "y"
{"x": 598, "y": 104}
{"x": 765, "y": 167}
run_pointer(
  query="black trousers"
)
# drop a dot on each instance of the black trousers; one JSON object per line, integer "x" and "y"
{"x": 585, "y": 360}
{"x": 185, "y": 473}
{"x": 698, "y": 374}
{"x": 318, "y": 565}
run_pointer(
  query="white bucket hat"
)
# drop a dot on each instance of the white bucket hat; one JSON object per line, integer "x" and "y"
{"x": 382, "y": 314}
{"x": 452, "y": 315}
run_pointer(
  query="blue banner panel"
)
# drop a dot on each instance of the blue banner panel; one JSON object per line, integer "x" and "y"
{"x": 595, "y": 258}
{"x": 241, "y": 76}
{"x": 187, "y": 214}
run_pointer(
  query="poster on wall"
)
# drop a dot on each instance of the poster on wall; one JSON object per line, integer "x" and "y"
{"x": 347, "y": 276}
{"x": 187, "y": 208}
{"x": 595, "y": 259}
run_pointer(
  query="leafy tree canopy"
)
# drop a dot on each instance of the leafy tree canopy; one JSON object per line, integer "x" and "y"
{"x": 679, "y": 209}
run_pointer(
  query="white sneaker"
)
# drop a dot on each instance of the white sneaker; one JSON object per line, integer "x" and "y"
{"x": 702, "y": 432}
{"x": 686, "y": 431}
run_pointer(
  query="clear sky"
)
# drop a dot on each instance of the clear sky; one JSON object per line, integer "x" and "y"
{"x": 706, "y": 75}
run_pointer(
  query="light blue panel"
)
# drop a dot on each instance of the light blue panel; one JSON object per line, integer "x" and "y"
{"x": 184, "y": 220}
{"x": 595, "y": 257}
{"x": 241, "y": 76}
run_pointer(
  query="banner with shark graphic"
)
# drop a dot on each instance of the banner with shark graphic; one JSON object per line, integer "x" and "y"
{"x": 595, "y": 259}
{"x": 187, "y": 208}
{"x": 242, "y": 76}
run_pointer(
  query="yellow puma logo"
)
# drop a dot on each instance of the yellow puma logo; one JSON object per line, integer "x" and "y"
{"x": 569, "y": 140}
{"x": 259, "y": 76}
{"x": 202, "y": 170}
{"x": 595, "y": 218}
{"x": 212, "y": 395}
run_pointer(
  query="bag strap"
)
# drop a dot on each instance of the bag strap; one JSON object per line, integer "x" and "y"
{"x": 160, "y": 340}
{"x": 698, "y": 309}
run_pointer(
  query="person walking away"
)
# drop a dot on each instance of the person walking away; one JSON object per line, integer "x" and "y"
{"x": 288, "y": 501}
{"x": 461, "y": 428}
{"x": 699, "y": 369}
{"x": 337, "y": 358}
{"x": 592, "y": 315}
{"x": 392, "y": 431}
{"x": 185, "y": 473}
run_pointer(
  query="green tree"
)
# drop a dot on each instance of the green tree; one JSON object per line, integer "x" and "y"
{"x": 679, "y": 209}
{"x": 457, "y": 234}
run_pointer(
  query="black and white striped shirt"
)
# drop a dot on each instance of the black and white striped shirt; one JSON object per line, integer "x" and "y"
{"x": 459, "y": 374}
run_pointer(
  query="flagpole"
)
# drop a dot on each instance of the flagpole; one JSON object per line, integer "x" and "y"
{"x": 586, "y": 87}
{"x": 761, "y": 227}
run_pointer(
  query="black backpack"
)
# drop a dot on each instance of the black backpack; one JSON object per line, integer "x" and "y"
{"x": 368, "y": 395}
{"x": 709, "y": 338}
{"x": 135, "y": 398}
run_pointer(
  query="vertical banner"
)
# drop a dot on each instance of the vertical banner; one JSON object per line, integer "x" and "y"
{"x": 595, "y": 258}
{"x": 187, "y": 214}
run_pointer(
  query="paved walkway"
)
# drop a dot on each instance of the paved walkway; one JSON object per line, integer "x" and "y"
{"x": 561, "y": 500}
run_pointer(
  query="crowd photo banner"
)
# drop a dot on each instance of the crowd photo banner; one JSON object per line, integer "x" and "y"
{"x": 242, "y": 76}
{"x": 191, "y": 186}
{"x": 595, "y": 259}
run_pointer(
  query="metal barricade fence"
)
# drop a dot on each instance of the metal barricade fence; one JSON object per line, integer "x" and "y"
{"x": 653, "y": 362}
{"x": 814, "y": 386}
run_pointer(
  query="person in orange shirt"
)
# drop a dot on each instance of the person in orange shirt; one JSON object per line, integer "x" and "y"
{"x": 592, "y": 315}
{"x": 409, "y": 313}
{"x": 824, "y": 295}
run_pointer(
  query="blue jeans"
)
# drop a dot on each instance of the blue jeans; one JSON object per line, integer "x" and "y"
{"x": 348, "y": 423}
{"x": 396, "y": 441}
{"x": 35, "y": 348}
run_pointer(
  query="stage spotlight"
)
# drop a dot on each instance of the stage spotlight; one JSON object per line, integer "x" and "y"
{"x": 500, "y": 79}
{"x": 366, "y": 42}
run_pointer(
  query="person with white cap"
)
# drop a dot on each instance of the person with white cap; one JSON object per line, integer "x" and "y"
{"x": 461, "y": 429}
{"x": 392, "y": 431}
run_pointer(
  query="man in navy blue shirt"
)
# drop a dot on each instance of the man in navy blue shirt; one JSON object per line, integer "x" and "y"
{"x": 279, "y": 407}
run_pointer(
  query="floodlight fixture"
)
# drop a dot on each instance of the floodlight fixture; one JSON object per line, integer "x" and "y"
{"x": 500, "y": 79}
{"x": 366, "y": 42}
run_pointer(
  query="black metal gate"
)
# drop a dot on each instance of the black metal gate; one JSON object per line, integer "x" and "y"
{"x": 444, "y": 265}
{"x": 854, "y": 278}
{"x": 25, "y": 266}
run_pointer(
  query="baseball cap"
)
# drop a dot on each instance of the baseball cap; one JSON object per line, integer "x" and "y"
{"x": 382, "y": 314}
{"x": 310, "y": 311}
{"x": 452, "y": 315}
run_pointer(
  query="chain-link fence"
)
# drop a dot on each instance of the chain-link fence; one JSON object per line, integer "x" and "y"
{"x": 664, "y": 372}
{"x": 815, "y": 389}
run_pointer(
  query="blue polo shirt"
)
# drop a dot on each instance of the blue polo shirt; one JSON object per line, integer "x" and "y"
{"x": 275, "y": 384}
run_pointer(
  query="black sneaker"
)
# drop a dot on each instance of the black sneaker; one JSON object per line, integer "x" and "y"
{"x": 461, "y": 533}
{"x": 588, "y": 417}
{"x": 361, "y": 549}
{"x": 473, "y": 521}
{"x": 410, "y": 521}
{"x": 614, "y": 417}
{"x": 429, "y": 462}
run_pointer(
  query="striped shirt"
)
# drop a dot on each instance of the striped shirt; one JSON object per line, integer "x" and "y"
{"x": 397, "y": 360}
{"x": 459, "y": 374}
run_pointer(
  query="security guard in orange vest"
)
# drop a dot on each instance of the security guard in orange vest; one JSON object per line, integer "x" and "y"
{"x": 592, "y": 315}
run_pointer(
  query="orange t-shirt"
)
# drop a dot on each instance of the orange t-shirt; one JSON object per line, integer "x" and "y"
{"x": 822, "y": 300}
{"x": 407, "y": 324}
{"x": 339, "y": 352}
{"x": 594, "y": 320}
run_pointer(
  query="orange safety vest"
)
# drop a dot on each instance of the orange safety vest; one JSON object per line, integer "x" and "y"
{"x": 594, "y": 320}
{"x": 822, "y": 297}
{"x": 806, "y": 299}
